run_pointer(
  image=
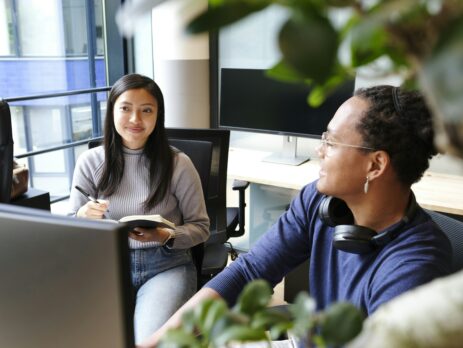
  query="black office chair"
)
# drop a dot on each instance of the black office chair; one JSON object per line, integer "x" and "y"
{"x": 200, "y": 153}
{"x": 226, "y": 222}
{"x": 453, "y": 228}
{"x": 6, "y": 152}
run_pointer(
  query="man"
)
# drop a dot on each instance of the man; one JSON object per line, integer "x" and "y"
{"x": 382, "y": 243}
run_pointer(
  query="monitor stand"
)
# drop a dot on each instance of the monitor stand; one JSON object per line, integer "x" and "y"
{"x": 288, "y": 155}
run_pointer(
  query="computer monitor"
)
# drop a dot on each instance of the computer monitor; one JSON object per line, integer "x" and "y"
{"x": 252, "y": 101}
{"x": 64, "y": 281}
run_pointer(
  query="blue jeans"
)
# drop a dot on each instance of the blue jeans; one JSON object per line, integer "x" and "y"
{"x": 164, "y": 279}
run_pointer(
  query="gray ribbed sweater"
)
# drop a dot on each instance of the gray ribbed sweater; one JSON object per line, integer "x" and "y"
{"x": 184, "y": 204}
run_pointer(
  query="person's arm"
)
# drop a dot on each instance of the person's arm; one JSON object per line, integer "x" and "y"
{"x": 84, "y": 177}
{"x": 175, "y": 320}
{"x": 186, "y": 186}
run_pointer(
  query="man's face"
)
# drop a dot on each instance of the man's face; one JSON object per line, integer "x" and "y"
{"x": 343, "y": 169}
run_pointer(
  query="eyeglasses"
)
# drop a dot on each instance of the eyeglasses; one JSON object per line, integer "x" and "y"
{"x": 327, "y": 144}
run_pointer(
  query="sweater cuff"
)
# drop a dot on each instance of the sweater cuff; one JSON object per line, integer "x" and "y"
{"x": 135, "y": 244}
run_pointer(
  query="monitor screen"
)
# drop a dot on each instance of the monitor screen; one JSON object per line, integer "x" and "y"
{"x": 65, "y": 281}
{"x": 251, "y": 101}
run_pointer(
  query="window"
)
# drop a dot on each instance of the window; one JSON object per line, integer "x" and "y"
{"x": 54, "y": 46}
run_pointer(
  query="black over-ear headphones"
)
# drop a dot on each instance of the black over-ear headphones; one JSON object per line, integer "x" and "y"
{"x": 358, "y": 239}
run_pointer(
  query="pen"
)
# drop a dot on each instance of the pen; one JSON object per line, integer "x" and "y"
{"x": 90, "y": 198}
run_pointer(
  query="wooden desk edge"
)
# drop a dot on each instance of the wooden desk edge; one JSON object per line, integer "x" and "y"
{"x": 425, "y": 187}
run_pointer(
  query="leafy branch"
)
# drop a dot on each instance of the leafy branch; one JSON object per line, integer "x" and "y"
{"x": 213, "y": 324}
{"x": 421, "y": 41}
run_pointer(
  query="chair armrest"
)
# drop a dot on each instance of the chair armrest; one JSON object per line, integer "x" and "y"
{"x": 240, "y": 185}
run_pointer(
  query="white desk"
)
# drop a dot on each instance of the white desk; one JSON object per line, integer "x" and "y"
{"x": 435, "y": 191}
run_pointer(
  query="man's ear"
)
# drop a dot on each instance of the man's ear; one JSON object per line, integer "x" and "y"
{"x": 380, "y": 162}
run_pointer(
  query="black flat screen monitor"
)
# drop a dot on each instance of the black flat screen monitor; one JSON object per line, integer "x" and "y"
{"x": 64, "y": 281}
{"x": 251, "y": 101}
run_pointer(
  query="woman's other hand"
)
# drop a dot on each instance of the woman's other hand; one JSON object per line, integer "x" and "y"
{"x": 160, "y": 235}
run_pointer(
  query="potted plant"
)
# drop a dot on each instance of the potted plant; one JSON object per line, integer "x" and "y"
{"x": 213, "y": 324}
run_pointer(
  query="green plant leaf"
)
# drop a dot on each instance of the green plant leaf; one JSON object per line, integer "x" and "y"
{"x": 279, "y": 329}
{"x": 228, "y": 320}
{"x": 303, "y": 311}
{"x": 223, "y": 14}
{"x": 319, "y": 93}
{"x": 340, "y": 323}
{"x": 340, "y": 3}
{"x": 269, "y": 317}
{"x": 254, "y": 297}
{"x": 239, "y": 333}
{"x": 216, "y": 309}
{"x": 284, "y": 73}
{"x": 309, "y": 45}
{"x": 368, "y": 41}
{"x": 188, "y": 322}
{"x": 178, "y": 338}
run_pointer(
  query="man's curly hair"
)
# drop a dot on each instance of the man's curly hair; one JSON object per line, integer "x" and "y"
{"x": 398, "y": 122}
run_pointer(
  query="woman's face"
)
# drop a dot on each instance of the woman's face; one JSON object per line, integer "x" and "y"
{"x": 343, "y": 169}
{"x": 135, "y": 115}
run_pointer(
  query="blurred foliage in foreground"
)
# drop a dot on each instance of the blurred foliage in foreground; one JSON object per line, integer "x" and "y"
{"x": 421, "y": 41}
{"x": 213, "y": 324}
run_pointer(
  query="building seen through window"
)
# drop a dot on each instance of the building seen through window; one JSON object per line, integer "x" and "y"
{"x": 52, "y": 46}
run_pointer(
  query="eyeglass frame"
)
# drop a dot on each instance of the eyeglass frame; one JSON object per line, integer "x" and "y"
{"x": 325, "y": 142}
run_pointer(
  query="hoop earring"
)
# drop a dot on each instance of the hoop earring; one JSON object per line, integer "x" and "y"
{"x": 365, "y": 186}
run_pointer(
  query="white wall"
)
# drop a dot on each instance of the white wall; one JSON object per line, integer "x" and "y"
{"x": 179, "y": 62}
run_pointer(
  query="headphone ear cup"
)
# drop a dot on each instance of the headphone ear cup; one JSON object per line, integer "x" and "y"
{"x": 353, "y": 239}
{"x": 334, "y": 211}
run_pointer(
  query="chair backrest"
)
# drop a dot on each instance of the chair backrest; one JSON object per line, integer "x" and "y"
{"x": 6, "y": 152}
{"x": 200, "y": 153}
{"x": 216, "y": 197}
{"x": 453, "y": 228}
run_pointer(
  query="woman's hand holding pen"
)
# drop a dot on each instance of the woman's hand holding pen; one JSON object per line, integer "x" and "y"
{"x": 93, "y": 210}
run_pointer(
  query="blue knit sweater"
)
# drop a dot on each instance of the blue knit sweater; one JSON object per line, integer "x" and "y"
{"x": 420, "y": 253}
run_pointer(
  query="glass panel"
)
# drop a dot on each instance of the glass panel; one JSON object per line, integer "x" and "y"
{"x": 53, "y": 119}
{"x": 51, "y": 47}
{"x": 74, "y": 16}
{"x": 44, "y": 48}
{"x": 40, "y": 28}
{"x": 18, "y": 128}
{"x": 6, "y": 29}
{"x": 81, "y": 122}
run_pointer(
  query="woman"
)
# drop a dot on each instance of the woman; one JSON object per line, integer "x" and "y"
{"x": 377, "y": 145}
{"x": 136, "y": 172}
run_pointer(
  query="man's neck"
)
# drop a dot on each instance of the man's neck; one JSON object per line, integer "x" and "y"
{"x": 380, "y": 210}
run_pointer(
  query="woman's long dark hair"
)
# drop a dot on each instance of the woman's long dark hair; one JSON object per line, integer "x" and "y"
{"x": 156, "y": 149}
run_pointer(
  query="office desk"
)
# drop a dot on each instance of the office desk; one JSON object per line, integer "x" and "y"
{"x": 274, "y": 185}
{"x": 435, "y": 191}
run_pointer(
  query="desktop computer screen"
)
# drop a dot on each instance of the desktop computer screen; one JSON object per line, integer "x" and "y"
{"x": 65, "y": 281}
